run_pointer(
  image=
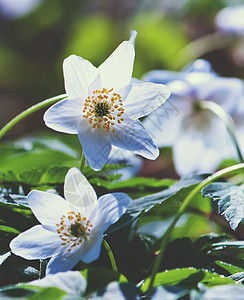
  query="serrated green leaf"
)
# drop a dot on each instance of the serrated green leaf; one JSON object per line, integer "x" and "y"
{"x": 187, "y": 277}
{"x": 230, "y": 200}
{"x": 31, "y": 177}
{"x": 13, "y": 201}
{"x": 54, "y": 175}
{"x": 174, "y": 195}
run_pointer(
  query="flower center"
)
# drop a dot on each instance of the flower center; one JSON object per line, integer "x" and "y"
{"x": 103, "y": 109}
{"x": 73, "y": 229}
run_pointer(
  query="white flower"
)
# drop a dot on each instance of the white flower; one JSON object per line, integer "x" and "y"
{"x": 198, "y": 136}
{"x": 72, "y": 229}
{"x": 103, "y": 106}
{"x": 72, "y": 282}
{"x": 130, "y": 163}
{"x": 231, "y": 19}
{"x": 19, "y": 8}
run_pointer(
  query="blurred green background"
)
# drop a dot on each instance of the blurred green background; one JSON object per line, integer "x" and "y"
{"x": 34, "y": 44}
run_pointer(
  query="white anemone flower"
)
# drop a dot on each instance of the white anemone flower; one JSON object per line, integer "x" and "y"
{"x": 231, "y": 20}
{"x": 72, "y": 228}
{"x": 198, "y": 136}
{"x": 103, "y": 106}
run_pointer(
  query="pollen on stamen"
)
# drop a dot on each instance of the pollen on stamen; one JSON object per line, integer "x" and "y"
{"x": 103, "y": 107}
{"x": 73, "y": 230}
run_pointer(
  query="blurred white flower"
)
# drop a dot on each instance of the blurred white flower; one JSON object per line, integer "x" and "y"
{"x": 129, "y": 161}
{"x": 18, "y": 8}
{"x": 198, "y": 136}
{"x": 72, "y": 282}
{"x": 231, "y": 20}
{"x": 103, "y": 106}
{"x": 72, "y": 229}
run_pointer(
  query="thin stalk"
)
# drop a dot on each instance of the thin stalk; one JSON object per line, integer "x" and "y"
{"x": 228, "y": 122}
{"x": 201, "y": 46}
{"x": 82, "y": 160}
{"x": 111, "y": 256}
{"x": 166, "y": 237}
{"x": 43, "y": 266}
{"x": 30, "y": 111}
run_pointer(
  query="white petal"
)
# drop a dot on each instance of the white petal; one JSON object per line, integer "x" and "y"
{"x": 78, "y": 75}
{"x": 131, "y": 135}
{"x": 187, "y": 154}
{"x": 64, "y": 116}
{"x": 117, "y": 69}
{"x": 95, "y": 143}
{"x": 110, "y": 208}
{"x": 71, "y": 282}
{"x": 36, "y": 243}
{"x": 164, "y": 123}
{"x": 91, "y": 248}
{"x": 145, "y": 98}
{"x": 198, "y": 148}
{"x": 47, "y": 207}
{"x": 161, "y": 76}
{"x": 78, "y": 191}
{"x": 224, "y": 91}
{"x": 63, "y": 262}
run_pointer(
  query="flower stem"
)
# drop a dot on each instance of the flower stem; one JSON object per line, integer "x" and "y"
{"x": 82, "y": 160}
{"x": 166, "y": 237}
{"x": 228, "y": 122}
{"x": 201, "y": 46}
{"x": 43, "y": 266}
{"x": 30, "y": 111}
{"x": 111, "y": 256}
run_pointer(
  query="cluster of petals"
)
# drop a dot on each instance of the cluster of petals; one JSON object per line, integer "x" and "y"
{"x": 198, "y": 136}
{"x": 103, "y": 106}
{"x": 72, "y": 228}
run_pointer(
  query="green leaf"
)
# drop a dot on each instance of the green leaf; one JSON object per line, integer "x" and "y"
{"x": 238, "y": 277}
{"x": 140, "y": 186}
{"x": 99, "y": 277}
{"x": 31, "y": 177}
{"x": 33, "y": 293}
{"x": 54, "y": 175}
{"x": 12, "y": 201}
{"x": 230, "y": 200}
{"x": 173, "y": 195}
{"x": 232, "y": 269}
{"x": 9, "y": 229}
{"x": 187, "y": 277}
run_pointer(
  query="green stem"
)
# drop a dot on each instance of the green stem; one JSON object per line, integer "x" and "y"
{"x": 111, "y": 256}
{"x": 166, "y": 237}
{"x": 43, "y": 266}
{"x": 201, "y": 46}
{"x": 30, "y": 111}
{"x": 228, "y": 122}
{"x": 82, "y": 160}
